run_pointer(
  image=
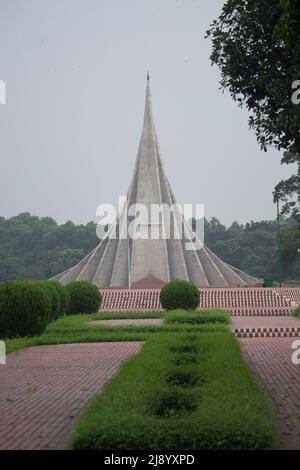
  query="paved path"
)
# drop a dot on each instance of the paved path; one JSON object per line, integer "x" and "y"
{"x": 270, "y": 358}
{"x": 265, "y": 322}
{"x": 44, "y": 388}
{"x": 128, "y": 321}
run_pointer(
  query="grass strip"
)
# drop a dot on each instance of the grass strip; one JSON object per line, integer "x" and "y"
{"x": 182, "y": 391}
{"x": 209, "y": 316}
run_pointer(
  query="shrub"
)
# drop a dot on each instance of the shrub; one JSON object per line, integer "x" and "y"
{"x": 179, "y": 294}
{"x": 296, "y": 312}
{"x": 85, "y": 297}
{"x": 64, "y": 296}
{"x": 183, "y": 316}
{"x": 25, "y": 308}
{"x": 210, "y": 404}
{"x": 54, "y": 298}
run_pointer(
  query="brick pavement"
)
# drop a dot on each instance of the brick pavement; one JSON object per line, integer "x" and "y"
{"x": 43, "y": 389}
{"x": 265, "y": 322}
{"x": 250, "y": 326}
{"x": 270, "y": 358}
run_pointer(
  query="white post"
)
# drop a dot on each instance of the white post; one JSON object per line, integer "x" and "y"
{"x": 2, "y": 92}
{"x": 2, "y": 353}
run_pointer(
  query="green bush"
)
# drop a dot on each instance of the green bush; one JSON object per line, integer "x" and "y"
{"x": 54, "y": 298}
{"x": 183, "y": 316}
{"x": 179, "y": 294}
{"x": 85, "y": 297}
{"x": 158, "y": 402}
{"x": 296, "y": 312}
{"x": 64, "y": 296}
{"x": 25, "y": 308}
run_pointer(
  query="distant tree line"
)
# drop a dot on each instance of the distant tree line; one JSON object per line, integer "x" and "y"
{"x": 37, "y": 247}
{"x": 253, "y": 247}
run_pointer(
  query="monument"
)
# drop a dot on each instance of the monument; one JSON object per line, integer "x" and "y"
{"x": 126, "y": 262}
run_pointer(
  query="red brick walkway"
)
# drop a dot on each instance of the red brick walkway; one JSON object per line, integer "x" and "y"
{"x": 270, "y": 358}
{"x": 265, "y": 322}
{"x": 128, "y": 321}
{"x": 245, "y": 327}
{"x": 44, "y": 388}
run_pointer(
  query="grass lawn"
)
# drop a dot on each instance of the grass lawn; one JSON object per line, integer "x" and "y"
{"x": 182, "y": 391}
{"x": 77, "y": 329}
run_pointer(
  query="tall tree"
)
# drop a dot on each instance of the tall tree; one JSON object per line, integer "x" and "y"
{"x": 256, "y": 45}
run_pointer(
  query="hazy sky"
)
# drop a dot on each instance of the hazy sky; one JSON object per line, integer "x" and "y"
{"x": 75, "y": 72}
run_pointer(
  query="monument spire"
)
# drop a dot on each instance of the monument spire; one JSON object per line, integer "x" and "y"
{"x": 151, "y": 261}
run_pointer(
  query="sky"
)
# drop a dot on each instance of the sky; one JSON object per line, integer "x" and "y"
{"x": 75, "y": 75}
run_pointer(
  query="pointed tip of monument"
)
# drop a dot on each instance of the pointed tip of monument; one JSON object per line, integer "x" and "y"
{"x": 148, "y": 76}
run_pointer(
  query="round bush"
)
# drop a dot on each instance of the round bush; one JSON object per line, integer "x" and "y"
{"x": 179, "y": 294}
{"x": 64, "y": 296}
{"x": 25, "y": 309}
{"x": 85, "y": 297}
{"x": 54, "y": 298}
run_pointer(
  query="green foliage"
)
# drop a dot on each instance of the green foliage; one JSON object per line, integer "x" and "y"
{"x": 253, "y": 247}
{"x": 54, "y": 298}
{"x": 126, "y": 315}
{"x": 64, "y": 296}
{"x": 38, "y": 248}
{"x": 179, "y": 294}
{"x": 78, "y": 329}
{"x": 290, "y": 243}
{"x": 289, "y": 22}
{"x": 25, "y": 308}
{"x": 256, "y": 45}
{"x": 296, "y": 312}
{"x": 210, "y": 403}
{"x": 85, "y": 297}
{"x": 210, "y": 316}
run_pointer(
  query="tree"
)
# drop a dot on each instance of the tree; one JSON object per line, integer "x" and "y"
{"x": 34, "y": 247}
{"x": 290, "y": 244}
{"x": 256, "y": 45}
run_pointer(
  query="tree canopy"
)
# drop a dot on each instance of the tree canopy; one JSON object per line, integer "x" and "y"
{"x": 256, "y": 45}
{"x": 37, "y": 247}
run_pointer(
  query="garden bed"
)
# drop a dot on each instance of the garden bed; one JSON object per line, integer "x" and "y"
{"x": 182, "y": 391}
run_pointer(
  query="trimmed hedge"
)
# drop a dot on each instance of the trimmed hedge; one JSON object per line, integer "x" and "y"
{"x": 182, "y": 391}
{"x": 25, "y": 308}
{"x": 85, "y": 297}
{"x": 54, "y": 298}
{"x": 210, "y": 316}
{"x": 64, "y": 296}
{"x": 179, "y": 294}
